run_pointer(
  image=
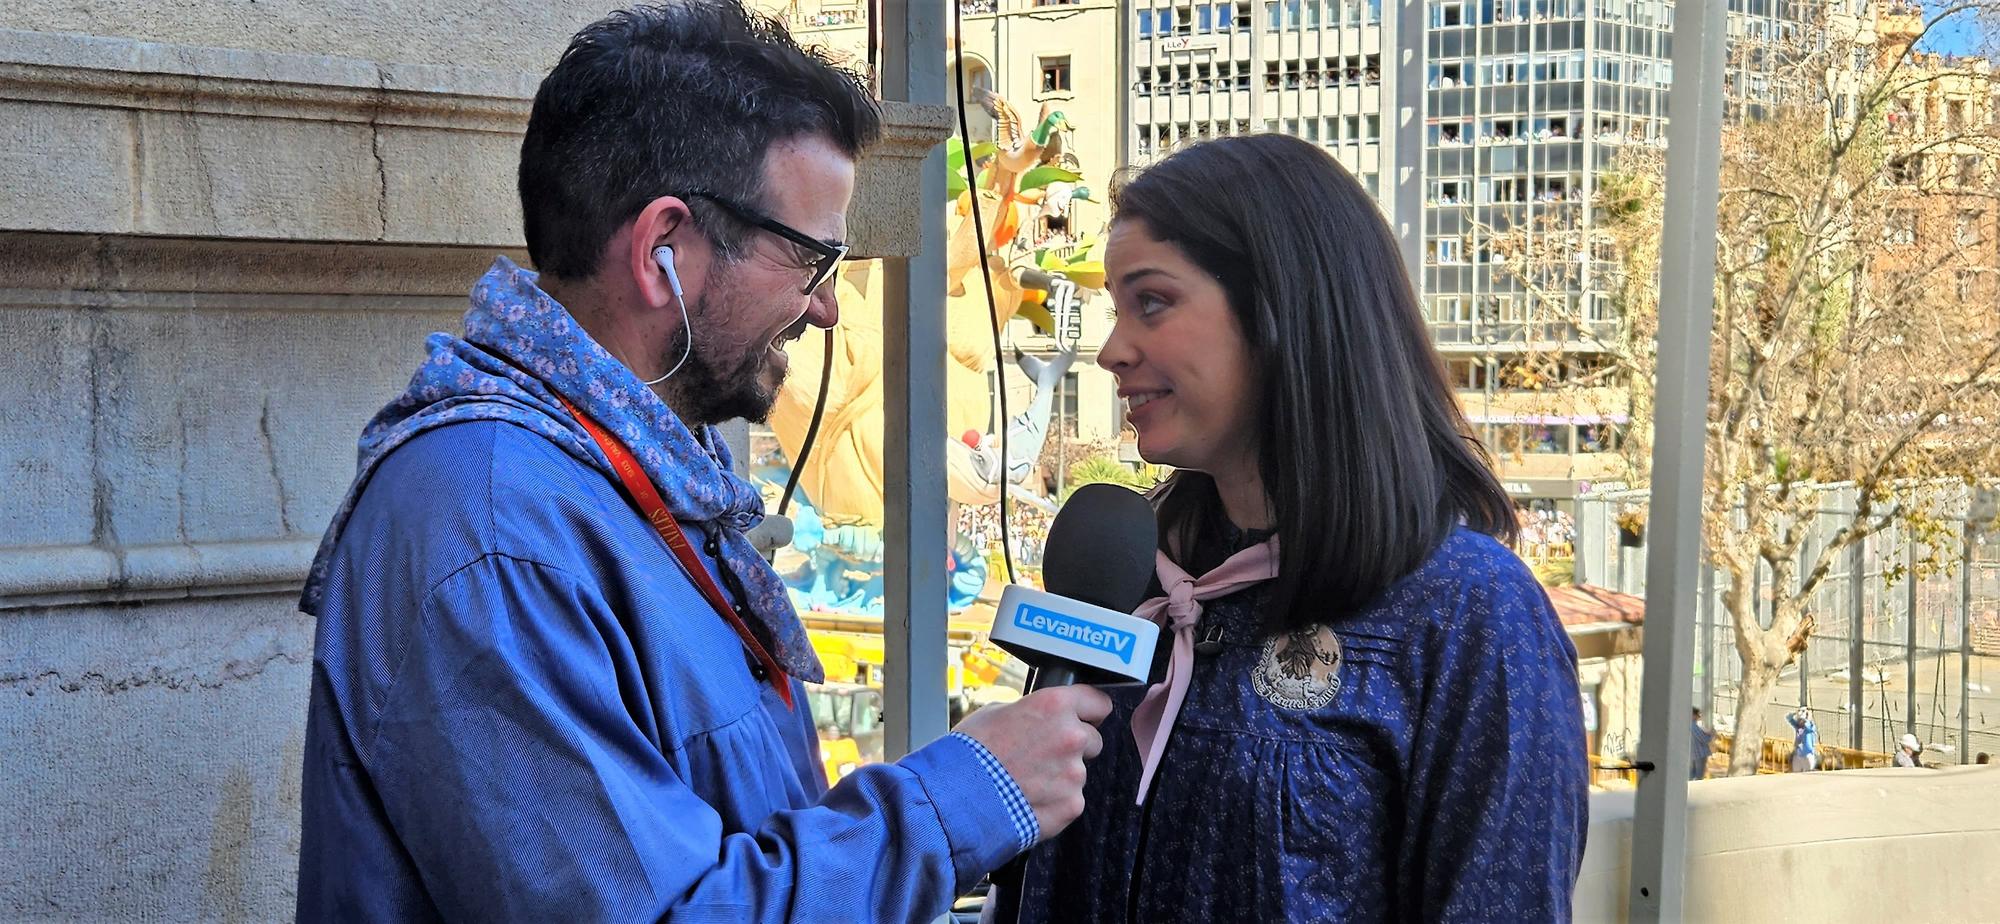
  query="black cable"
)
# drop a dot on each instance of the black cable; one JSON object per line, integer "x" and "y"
{"x": 812, "y": 429}
{"x": 985, "y": 276}
{"x": 1007, "y": 880}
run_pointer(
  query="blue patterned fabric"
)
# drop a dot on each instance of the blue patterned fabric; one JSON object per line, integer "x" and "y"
{"x": 520, "y": 350}
{"x": 1429, "y": 767}
{"x": 523, "y": 709}
{"x": 1025, "y": 823}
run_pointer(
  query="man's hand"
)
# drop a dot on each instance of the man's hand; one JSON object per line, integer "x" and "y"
{"x": 1043, "y": 740}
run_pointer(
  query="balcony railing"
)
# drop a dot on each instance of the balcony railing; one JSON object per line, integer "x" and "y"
{"x": 1520, "y": 333}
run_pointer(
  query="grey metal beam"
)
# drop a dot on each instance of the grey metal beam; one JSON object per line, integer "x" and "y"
{"x": 1857, "y": 586}
{"x": 913, "y": 346}
{"x": 1687, "y": 305}
{"x": 1708, "y": 609}
{"x": 1910, "y": 633}
{"x": 1404, "y": 161}
{"x": 1965, "y": 644}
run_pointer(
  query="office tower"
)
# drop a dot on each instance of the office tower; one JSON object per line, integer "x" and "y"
{"x": 1314, "y": 69}
{"x": 1529, "y": 106}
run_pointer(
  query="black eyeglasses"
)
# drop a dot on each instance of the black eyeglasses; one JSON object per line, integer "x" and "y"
{"x": 827, "y": 256}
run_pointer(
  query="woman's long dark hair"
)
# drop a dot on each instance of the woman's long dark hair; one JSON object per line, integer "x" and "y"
{"x": 1366, "y": 458}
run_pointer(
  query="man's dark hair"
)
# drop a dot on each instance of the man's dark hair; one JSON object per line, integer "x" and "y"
{"x": 1365, "y": 456}
{"x": 666, "y": 99}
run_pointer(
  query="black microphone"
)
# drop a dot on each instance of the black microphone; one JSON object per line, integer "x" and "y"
{"x": 1096, "y": 566}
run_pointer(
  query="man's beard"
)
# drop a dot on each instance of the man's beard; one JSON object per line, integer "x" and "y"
{"x": 706, "y": 394}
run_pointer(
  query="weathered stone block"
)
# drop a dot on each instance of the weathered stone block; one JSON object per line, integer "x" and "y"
{"x": 152, "y": 764}
{"x": 64, "y": 168}
{"x": 239, "y": 177}
{"x": 451, "y": 186}
{"x": 45, "y": 435}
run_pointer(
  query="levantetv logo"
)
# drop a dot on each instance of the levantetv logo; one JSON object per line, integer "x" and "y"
{"x": 1070, "y": 629}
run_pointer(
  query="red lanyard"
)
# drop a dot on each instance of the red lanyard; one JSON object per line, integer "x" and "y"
{"x": 648, "y": 498}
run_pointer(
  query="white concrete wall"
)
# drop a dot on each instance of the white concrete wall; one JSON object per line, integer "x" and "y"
{"x": 224, "y": 231}
{"x": 1819, "y": 848}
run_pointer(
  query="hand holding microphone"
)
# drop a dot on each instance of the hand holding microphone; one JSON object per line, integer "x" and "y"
{"x": 1043, "y": 739}
{"x": 1097, "y": 564}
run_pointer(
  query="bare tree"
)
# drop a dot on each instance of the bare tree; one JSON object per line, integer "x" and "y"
{"x": 1854, "y": 343}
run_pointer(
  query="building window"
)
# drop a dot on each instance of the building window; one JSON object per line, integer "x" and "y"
{"x": 1968, "y": 169}
{"x": 1448, "y": 14}
{"x": 1905, "y": 171}
{"x": 1969, "y": 221}
{"x": 1449, "y": 134}
{"x": 1901, "y": 227}
{"x": 1968, "y": 284}
{"x": 1902, "y": 115}
{"x": 1601, "y": 437}
{"x": 1055, "y": 75}
{"x": 1447, "y": 251}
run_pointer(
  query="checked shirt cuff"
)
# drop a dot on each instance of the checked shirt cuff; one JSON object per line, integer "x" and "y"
{"x": 1018, "y": 809}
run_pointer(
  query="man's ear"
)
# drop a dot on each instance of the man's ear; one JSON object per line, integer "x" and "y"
{"x": 664, "y": 222}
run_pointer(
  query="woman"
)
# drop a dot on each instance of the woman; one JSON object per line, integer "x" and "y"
{"x": 1372, "y": 710}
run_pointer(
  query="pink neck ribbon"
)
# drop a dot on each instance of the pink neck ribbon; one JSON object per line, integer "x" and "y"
{"x": 1179, "y": 611}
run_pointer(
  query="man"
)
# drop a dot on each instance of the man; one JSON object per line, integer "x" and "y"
{"x": 1909, "y": 752}
{"x": 1805, "y": 741}
{"x": 532, "y": 701}
{"x": 1700, "y": 745}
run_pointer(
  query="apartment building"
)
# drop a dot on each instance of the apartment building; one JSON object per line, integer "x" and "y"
{"x": 1522, "y": 102}
{"x": 1529, "y": 103}
{"x": 1942, "y": 131}
{"x": 1309, "y": 68}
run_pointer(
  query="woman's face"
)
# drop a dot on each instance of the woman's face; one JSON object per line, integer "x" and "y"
{"x": 1182, "y": 363}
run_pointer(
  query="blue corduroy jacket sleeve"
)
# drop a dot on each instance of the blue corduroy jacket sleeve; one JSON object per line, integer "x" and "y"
{"x": 510, "y": 767}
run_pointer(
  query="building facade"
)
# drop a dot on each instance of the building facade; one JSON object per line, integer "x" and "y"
{"x": 1522, "y": 103}
{"x": 1032, "y": 53}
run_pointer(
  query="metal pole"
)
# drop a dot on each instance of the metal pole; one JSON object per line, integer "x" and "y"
{"x": 1857, "y": 583}
{"x": 1708, "y": 642}
{"x": 913, "y": 346}
{"x": 1965, "y": 642}
{"x": 1487, "y": 408}
{"x": 1910, "y": 632}
{"x": 1687, "y": 317}
{"x": 1403, "y": 157}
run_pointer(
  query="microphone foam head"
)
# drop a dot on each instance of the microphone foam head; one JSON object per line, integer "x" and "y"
{"x": 1101, "y": 548}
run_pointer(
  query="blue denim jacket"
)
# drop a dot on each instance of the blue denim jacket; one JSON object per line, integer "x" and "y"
{"x": 522, "y": 708}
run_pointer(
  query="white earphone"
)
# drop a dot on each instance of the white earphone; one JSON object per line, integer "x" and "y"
{"x": 664, "y": 256}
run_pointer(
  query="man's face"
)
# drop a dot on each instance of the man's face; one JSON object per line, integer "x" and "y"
{"x": 747, "y": 310}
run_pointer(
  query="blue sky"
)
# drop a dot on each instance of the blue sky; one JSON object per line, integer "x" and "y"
{"x": 1961, "y": 35}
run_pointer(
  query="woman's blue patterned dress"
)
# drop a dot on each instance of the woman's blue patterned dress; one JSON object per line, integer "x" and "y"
{"x": 1420, "y": 760}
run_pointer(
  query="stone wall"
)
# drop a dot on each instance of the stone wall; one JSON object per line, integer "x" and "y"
{"x": 1856, "y": 845}
{"x": 224, "y": 231}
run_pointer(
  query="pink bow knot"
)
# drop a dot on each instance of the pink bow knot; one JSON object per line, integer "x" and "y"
{"x": 1180, "y": 610}
{"x": 1182, "y": 607}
